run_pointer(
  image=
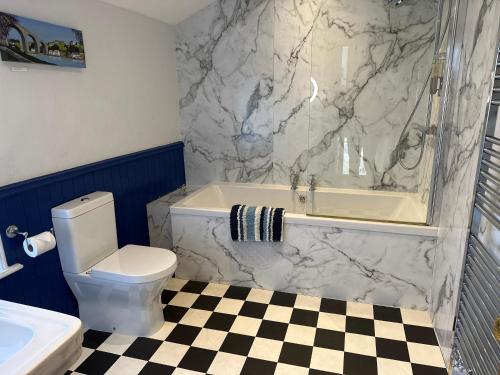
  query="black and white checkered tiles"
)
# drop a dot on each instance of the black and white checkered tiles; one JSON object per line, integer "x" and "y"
{"x": 219, "y": 329}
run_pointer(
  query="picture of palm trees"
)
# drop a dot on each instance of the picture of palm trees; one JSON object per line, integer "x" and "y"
{"x": 30, "y": 41}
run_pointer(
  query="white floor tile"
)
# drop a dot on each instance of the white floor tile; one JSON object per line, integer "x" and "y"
{"x": 195, "y": 317}
{"x": 334, "y": 322}
{"x": 215, "y": 290}
{"x": 278, "y": 313}
{"x": 229, "y": 306}
{"x": 284, "y": 369}
{"x": 391, "y": 367}
{"x": 360, "y": 344}
{"x": 360, "y": 310}
{"x": 164, "y": 331}
{"x": 117, "y": 344}
{"x": 227, "y": 364}
{"x": 389, "y": 330}
{"x": 246, "y": 325}
{"x": 260, "y": 296}
{"x": 184, "y": 299}
{"x": 266, "y": 349}
{"x": 307, "y": 303}
{"x": 126, "y": 366}
{"x": 169, "y": 353}
{"x": 176, "y": 284}
{"x": 327, "y": 360}
{"x": 423, "y": 354}
{"x": 211, "y": 339}
{"x": 416, "y": 317}
{"x": 300, "y": 334}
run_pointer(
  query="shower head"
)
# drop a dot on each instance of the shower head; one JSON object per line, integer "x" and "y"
{"x": 395, "y": 2}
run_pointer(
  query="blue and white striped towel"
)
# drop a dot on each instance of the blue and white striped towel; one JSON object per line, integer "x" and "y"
{"x": 256, "y": 223}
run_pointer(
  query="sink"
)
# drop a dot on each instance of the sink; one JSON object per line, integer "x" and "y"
{"x": 37, "y": 341}
{"x": 14, "y": 337}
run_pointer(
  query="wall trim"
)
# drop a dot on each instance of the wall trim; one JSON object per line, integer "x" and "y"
{"x": 21, "y": 186}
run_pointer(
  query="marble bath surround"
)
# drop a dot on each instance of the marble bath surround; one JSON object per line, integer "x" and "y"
{"x": 244, "y": 76}
{"x": 383, "y": 263}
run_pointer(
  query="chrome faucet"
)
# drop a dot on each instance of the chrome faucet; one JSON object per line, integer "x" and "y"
{"x": 312, "y": 183}
{"x": 295, "y": 181}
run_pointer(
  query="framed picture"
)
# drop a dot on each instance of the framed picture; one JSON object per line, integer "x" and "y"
{"x": 27, "y": 40}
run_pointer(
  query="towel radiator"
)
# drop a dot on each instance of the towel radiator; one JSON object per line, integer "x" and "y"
{"x": 477, "y": 349}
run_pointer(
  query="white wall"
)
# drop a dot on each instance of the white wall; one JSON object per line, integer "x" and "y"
{"x": 125, "y": 100}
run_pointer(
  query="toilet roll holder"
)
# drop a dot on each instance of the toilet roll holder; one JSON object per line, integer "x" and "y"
{"x": 13, "y": 231}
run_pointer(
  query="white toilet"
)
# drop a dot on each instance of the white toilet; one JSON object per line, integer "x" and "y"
{"x": 118, "y": 290}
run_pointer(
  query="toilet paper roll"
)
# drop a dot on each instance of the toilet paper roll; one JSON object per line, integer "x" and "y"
{"x": 39, "y": 244}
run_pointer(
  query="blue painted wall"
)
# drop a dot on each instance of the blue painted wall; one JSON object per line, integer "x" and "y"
{"x": 134, "y": 179}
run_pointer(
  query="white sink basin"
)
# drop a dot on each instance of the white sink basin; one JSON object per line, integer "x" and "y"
{"x": 37, "y": 341}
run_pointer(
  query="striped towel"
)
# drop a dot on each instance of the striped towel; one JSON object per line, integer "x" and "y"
{"x": 256, "y": 223}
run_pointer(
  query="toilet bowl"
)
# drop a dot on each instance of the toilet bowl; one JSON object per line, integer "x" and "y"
{"x": 118, "y": 290}
{"x": 122, "y": 292}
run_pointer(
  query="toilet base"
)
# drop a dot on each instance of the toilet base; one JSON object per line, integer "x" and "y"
{"x": 115, "y": 307}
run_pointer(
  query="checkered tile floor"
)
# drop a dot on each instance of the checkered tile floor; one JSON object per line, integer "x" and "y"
{"x": 219, "y": 329}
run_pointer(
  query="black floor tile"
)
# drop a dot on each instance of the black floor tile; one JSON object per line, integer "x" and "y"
{"x": 93, "y": 339}
{"x": 304, "y": 317}
{"x": 237, "y": 344}
{"x": 220, "y": 321}
{"x": 272, "y": 330}
{"x": 206, "y": 303}
{"x": 427, "y": 370}
{"x": 174, "y": 313}
{"x": 152, "y": 368}
{"x": 421, "y": 335}
{"x": 356, "y": 364}
{"x": 283, "y": 299}
{"x": 253, "y": 309}
{"x": 333, "y": 306}
{"x": 328, "y": 339}
{"x": 142, "y": 348}
{"x": 237, "y": 292}
{"x": 360, "y": 325}
{"x": 296, "y": 354}
{"x": 97, "y": 363}
{"x": 319, "y": 372}
{"x": 197, "y": 359}
{"x": 392, "y": 349}
{"x": 194, "y": 287}
{"x": 167, "y": 295}
{"x": 389, "y": 314}
{"x": 255, "y": 366}
{"x": 183, "y": 334}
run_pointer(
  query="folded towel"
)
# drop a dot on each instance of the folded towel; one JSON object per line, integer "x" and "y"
{"x": 256, "y": 223}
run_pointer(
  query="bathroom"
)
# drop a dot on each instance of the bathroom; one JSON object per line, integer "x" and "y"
{"x": 139, "y": 170}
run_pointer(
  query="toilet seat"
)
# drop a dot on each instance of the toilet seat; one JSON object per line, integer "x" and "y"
{"x": 135, "y": 264}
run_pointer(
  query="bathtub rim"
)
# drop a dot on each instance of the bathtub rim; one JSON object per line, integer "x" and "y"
{"x": 179, "y": 208}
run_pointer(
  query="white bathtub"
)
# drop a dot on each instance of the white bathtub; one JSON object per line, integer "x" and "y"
{"x": 216, "y": 199}
{"x": 383, "y": 263}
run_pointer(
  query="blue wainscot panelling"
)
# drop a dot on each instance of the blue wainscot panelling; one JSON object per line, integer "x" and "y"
{"x": 134, "y": 179}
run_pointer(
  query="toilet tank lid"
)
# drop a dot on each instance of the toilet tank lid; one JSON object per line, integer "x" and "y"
{"x": 81, "y": 205}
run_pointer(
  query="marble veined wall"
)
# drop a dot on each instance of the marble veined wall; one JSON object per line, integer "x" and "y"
{"x": 474, "y": 51}
{"x": 244, "y": 70}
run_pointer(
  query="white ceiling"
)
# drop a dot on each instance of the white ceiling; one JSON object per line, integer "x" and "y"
{"x": 169, "y": 11}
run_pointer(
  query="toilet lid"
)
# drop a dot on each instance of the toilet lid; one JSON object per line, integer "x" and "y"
{"x": 136, "y": 264}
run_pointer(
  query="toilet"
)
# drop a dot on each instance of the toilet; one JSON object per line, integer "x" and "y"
{"x": 118, "y": 290}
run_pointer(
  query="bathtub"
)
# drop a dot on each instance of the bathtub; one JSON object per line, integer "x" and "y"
{"x": 368, "y": 261}
{"x": 216, "y": 199}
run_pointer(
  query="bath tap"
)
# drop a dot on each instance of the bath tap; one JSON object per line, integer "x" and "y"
{"x": 295, "y": 181}
{"x": 312, "y": 183}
